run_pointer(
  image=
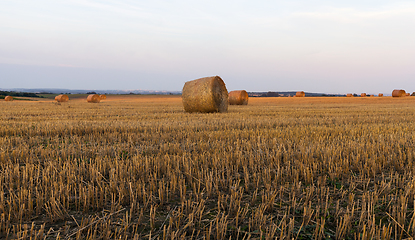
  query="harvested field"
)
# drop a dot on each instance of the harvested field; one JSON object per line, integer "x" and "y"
{"x": 141, "y": 167}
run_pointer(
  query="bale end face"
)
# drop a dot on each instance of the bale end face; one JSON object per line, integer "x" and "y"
{"x": 93, "y": 98}
{"x": 103, "y": 96}
{"x": 239, "y": 97}
{"x": 205, "y": 95}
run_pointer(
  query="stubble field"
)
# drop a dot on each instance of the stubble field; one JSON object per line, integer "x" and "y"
{"x": 139, "y": 167}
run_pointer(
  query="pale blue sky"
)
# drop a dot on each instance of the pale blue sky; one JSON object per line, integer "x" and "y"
{"x": 317, "y": 46}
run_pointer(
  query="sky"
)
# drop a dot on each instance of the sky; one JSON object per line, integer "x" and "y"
{"x": 280, "y": 45}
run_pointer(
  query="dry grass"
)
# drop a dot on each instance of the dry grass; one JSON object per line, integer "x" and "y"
{"x": 137, "y": 167}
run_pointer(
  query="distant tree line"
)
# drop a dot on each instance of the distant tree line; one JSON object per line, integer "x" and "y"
{"x": 18, "y": 94}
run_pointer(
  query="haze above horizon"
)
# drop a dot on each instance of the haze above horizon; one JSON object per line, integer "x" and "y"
{"x": 318, "y": 46}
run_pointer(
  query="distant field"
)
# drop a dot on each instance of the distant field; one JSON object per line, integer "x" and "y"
{"x": 139, "y": 167}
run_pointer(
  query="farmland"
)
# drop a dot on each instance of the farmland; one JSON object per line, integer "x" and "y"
{"x": 139, "y": 167}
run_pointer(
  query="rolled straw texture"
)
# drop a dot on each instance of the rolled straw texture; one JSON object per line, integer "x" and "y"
{"x": 93, "y": 98}
{"x": 300, "y": 94}
{"x": 62, "y": 98}
{"x": 205, "y": 95}
{"x": 398, "y": 93}
{"x": 103, "y": 96}
{"x": 8, "y": 98}
{"x": 349, "y": 95}
{"x": 239, "y": 97}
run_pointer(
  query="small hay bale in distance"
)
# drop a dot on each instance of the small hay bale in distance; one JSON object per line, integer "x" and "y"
{"x": 398, "y": 93}
{"x": 300, "y": 94}
{"x": 103, "y": 96}
{"x": 62, "y": 98}
{"x": 93, "y": 98}
{"x": 239, "y": 97}
{"x": 408, "y": 94}
{"x": 8, "y": 98}
{"x": 380, "y": 95}
{"x": 363, "y": 95}
{"x": 205, "y": 95}
{"x": 349, "y": 95}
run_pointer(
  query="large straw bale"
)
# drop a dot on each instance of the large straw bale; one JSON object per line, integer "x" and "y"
{"x": 8, "y": 98}
{"x": 62, "y": 98}
{"x": 398, "y": 93}
{"x": 239, "y": 97}
{"x": 93, "y": 98}
{"x": 207, "y": 94}
{"x": 300, "y": 94}
{"x": 103, "y": 96}
{"x": 363, "y": 95}
{"x": 380, "y": 95}
{"x": 349, "y": 95}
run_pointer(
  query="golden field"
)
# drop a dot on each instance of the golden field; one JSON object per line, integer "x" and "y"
{"x": 139, "y": 167}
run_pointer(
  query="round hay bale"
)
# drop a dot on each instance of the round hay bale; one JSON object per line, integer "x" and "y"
{"x": 205, "y": 95}
{"x": 93, "y": 98}
{"x": 408, "y": 94}
{"x": 398, "y": 93}
{"x": 300, "y": 94}
{"x": 239, "y": 97}
{"x": 8, "y": 98}
{"x": 413, "y": 94}
{"x": 103, "y": 96}
{"x": 380, "y": 95}
{"x": 62, "y": 98}
{"x": 349, "y": 95}
{"x": 363, "y": 95}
